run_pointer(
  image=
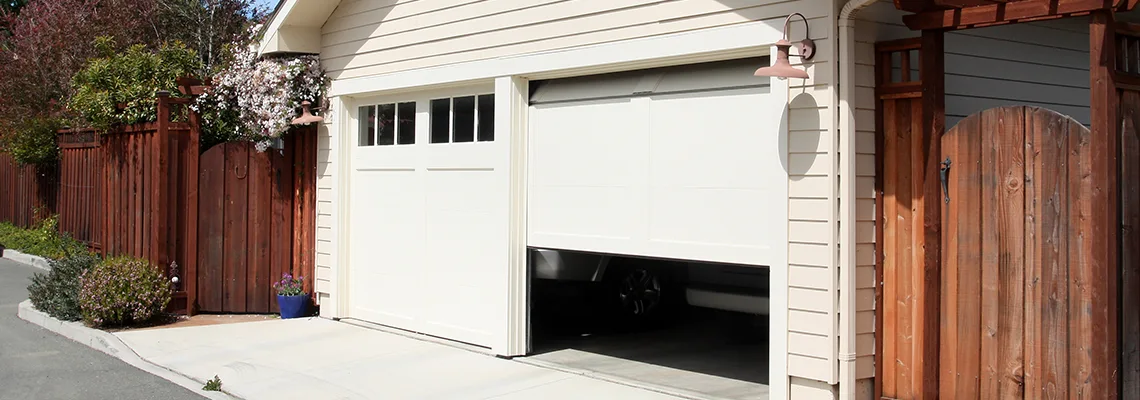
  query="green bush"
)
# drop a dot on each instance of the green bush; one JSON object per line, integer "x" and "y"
{"x": 130, "y": 79}
{"x": 43, "y": 239}
{"x": 57, "y": 291}
{"x": 32, "y": 141}
{"x": 122, "y": 291}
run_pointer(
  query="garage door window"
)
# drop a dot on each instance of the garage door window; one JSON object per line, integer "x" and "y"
{"x": 388, "y": 124}
{"x": 463, "y": 119}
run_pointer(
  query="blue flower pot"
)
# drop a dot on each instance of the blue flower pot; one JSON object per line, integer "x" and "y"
{"x": 293, "y": 306}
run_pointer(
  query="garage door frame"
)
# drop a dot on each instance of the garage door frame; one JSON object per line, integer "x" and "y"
{"x": 510, "y": 116}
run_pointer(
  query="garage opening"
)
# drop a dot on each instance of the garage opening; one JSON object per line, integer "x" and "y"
{"x": 677, "y": 325}
{"x": 650, "y": 226}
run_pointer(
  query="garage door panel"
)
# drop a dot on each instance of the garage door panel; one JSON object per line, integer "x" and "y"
{"x": 462, "y": 156}
{"x": 689, "y": 170}
{"x": 428, "y": 237}
{"x": 386, "y": 157}
{"x": 589, "y": 212}
{"x": 697, "y": 140}
{"x": 596, "y": 137}
{"x": 712, "y": 218}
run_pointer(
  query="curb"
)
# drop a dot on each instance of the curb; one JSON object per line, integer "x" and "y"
{"x": 34, "y": 261}
{"x": 110, "y": 344}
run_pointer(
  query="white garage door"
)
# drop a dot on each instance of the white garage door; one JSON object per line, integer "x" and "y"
{"x": 678, "y": 163}
{"x": 428, "y": 222}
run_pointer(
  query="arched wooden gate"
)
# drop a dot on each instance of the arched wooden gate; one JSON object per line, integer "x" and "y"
{"x": 1013, "y": 295}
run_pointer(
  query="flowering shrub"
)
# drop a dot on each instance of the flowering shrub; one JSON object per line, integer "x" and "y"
{"x": 290, "y": 286}
{"x": 256, "y": 98}
{"x": 122, "y": 290}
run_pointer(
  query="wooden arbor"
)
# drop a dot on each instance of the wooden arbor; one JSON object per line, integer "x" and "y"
{"x": 1006, "y": 245}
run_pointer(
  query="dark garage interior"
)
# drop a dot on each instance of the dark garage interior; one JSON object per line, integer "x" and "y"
{"x": 583, "y": 325}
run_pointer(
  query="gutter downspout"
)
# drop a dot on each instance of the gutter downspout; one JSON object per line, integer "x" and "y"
{"x": 847, "y": 191}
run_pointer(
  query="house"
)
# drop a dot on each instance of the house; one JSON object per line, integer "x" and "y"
{"x": 460, "y": 134}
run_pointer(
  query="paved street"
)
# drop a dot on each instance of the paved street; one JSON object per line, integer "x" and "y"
{"x": 37, "y": 364}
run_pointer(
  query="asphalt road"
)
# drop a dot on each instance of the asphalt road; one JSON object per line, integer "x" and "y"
{"x": 38, "y": 364}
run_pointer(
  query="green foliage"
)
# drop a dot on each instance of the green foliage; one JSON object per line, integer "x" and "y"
{"x": 122, "y": 291}
{"x": 57, "y": 291}
{"x": 33, "y": 141}
{"x": 43, "y": 239}
{"x": 213, "y": 385}
{"x": 129, "y": 79}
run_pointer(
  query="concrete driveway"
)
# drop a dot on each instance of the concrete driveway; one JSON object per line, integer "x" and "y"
{"x": 37, "y": 364}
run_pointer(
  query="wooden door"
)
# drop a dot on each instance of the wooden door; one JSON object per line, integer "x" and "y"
{"x": 1012, "y": 296}
{"x": 245, "y": 227}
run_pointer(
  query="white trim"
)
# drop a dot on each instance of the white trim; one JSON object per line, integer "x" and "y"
{"x": 511, "y": 96}
{"x": 779, "y": 381}
{"x": 270, "y": 34}
{"x": 736, "y": 41}
{"x": 340, "y": 141}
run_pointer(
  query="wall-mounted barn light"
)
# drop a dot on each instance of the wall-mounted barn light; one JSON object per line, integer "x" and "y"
{"x": 782, "y": 68}
{"x": 306, "y": 115}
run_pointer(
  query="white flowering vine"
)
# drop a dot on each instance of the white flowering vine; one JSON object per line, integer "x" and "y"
{"x": 255, "y": 98}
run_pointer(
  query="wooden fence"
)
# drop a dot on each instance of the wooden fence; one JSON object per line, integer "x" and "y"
{"x": 135, "y": 191}
{"x": 80, "y": 180}
{"x": 26, "y": 190}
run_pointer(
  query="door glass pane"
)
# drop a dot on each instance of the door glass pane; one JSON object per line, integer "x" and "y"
{"x": 387, "y": 125}
{"x": 487, "y": 118}
{"x": 367, "y": 126}
{"x": 406, "y": 132}
{"x": 440, "y": 120}
{"x": 464, "y": 129}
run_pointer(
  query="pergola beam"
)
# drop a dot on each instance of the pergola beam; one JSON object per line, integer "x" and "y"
{"x": 1001, "y": 13}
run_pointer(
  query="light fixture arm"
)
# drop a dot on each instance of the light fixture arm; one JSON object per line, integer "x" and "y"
{"x": 807, "y": 46}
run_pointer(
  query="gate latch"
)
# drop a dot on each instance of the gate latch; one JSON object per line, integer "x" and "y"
{"x": 944, "y": 173}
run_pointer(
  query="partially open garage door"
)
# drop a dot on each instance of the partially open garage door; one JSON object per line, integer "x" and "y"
{"x": 681, "y": 163}
{"x": 428, "y": 226}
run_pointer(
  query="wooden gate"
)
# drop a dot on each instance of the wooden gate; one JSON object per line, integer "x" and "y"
{"x": 1015, "y": 309}
{"x": 253, "y": 208}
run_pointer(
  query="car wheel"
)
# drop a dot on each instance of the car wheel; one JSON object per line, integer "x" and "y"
{"x": 636, "y": 295}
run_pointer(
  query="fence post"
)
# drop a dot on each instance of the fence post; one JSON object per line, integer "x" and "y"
{"x": 160, "y": 193}
{"x": 190, "y": 270}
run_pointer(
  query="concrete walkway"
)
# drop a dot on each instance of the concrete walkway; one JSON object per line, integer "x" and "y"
{"x": 316, "y": 358}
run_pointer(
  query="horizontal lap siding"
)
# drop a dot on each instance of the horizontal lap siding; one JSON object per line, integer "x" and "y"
{"x": 324, "y": 277}
{"x": 812, "y": 316}
{"x": 1001, "y": 65}
{"x": 371, "y": 37}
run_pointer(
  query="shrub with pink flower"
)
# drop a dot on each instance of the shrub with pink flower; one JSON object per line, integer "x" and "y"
{"x": 122, "y": 291}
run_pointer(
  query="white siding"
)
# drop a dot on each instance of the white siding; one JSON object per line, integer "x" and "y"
{"x": 324, "y": 276}
{"x": 371, "y": 37}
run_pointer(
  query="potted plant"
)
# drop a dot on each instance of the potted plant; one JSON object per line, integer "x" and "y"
{"x": 291, "y": 297}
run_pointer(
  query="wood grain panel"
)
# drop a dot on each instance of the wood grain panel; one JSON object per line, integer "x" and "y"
{"x": 281, "y": 255}
{"x": 1096, "y": 343}
{"x": 259, "y": 206}
{"x": 890, "y": 248}
{"x": 1130, "y": 243}
{"x": 211, "y": 225}
{"x": 235, "y": 226}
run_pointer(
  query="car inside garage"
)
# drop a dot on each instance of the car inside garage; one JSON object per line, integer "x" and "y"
{"x": 651, "y": 228}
